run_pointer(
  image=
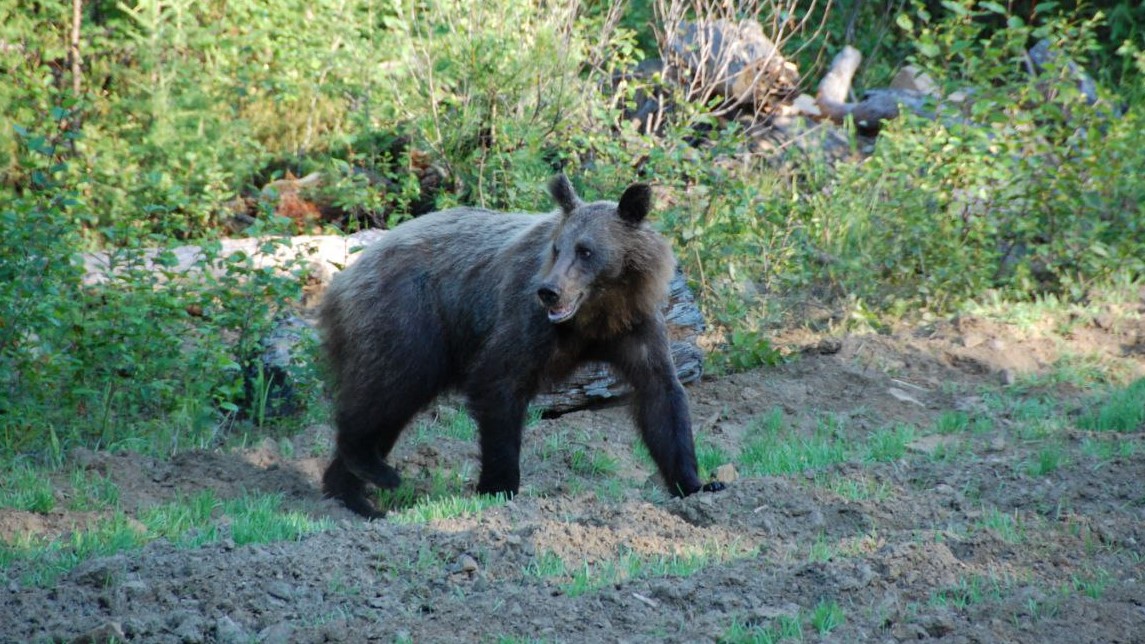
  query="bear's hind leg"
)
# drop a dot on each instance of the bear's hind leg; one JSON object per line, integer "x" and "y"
{"x": 341, "y": 484}
{"x": 363, "y": 447}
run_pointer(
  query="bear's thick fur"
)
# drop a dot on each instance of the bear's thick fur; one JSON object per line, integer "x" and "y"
{"x": 495, "y": 305}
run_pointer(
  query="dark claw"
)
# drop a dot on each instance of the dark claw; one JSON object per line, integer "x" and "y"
{"x": 714, "y": 486}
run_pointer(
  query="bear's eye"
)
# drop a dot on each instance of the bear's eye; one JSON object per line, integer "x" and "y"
{"x": 583, "y": 252}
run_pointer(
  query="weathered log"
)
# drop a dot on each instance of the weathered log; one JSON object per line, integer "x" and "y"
{"x": 324, "y": 255}
{"x": 876, "y": 106}
{"x": 836, "y": 84}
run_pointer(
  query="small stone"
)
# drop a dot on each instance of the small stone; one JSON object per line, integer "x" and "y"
{"x": 101, "y": 572}
{"x": 228, "y": 631}
{"x": 997, "y": 444}
{"x": 107, "y": 632}
{"x": 468, "y": 564}
{"x": 1008, "y": 377}
{"x": 726, "y": 473}
{"x": 280, "y": 590}
{"x": 277, "y": 634}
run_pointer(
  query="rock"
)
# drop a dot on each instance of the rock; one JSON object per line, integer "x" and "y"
{"x": 468, "y": 564}
{"x": 913, "y": 79}
{"x": 726, "y": 473}
{"x": 730, "y": 60}
{"x": 280, "y": 590}
{"x": 191, "y": 629}
{"x": 106, "y": 632}
{"x": 282, "y": 633}
{"x": 227, "y": 631}
{"x": 101, "y": 572}
{"x": 930, "y": 444}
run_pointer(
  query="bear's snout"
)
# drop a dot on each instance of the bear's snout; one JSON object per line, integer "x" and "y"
{"x": 549, "y": 296}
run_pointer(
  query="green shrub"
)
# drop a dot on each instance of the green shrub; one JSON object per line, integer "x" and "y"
{"x": 1023, "y": 193}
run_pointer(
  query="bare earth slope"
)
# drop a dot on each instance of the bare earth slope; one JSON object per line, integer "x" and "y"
{"x": 958, "y": 500}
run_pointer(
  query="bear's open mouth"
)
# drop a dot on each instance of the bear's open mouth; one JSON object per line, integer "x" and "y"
{"x": 558, "y": 314}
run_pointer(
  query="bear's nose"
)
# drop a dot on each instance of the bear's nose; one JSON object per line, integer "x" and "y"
{"x": 549, "y": 297}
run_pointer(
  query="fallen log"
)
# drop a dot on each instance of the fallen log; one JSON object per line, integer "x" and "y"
{"x": 321, "y": 256}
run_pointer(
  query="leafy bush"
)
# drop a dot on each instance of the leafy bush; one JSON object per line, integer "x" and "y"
{"x": 1032, "y": 190}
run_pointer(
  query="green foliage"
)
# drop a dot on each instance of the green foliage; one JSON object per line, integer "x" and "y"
{"x": 770, "y": 451}
{"x": 23, "y": 487}
{"x": 578, "y": 578}
{"x": 827, "y": 616}
{"x": 889, "y": 444}
{"x": 1122, "y": 411}
{"x": 1029, "y": 190}
{"x": 99, "y": 359}
{"x": 489, "y": 85}
{"x": 785, "y": 628}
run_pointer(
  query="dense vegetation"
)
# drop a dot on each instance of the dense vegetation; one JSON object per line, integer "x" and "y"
{"x": 136, "y": 125}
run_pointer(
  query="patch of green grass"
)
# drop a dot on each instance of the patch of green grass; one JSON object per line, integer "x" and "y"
{"x": 709, "y": 457}
{"x": 968, "y": 591}
{"x": 770, "y": 450}
{"x": 1082, "y": 371}
{"x": 1031, "y": 408}
{"x": 822, "y": 549}
{"x": 1092, "y": 585}
{"x": 1106, "y": 449}
{"x": 546, "y": 565}
{"x": 889, "y": 444}
{"x": 1040, "y": 428}
{"x": 49, "y": 560}
{"x": 448, "y": 507}
{"x": 854, "y": 489}
{"x": 948, "y": 452}
{"x": 585, "y": 461}
{"x": 457, "y": 424}
{"x": 450, "y": 423}
{"x": 784, "y": 628}
{"x": 186, "y": 521}
{"x": 428, "y": 496}
{"x": 261, "y": 519}
{"x": 826, "y": 617}
{"x": 952, "y": 422}
{"x": 557, "y": 443}
{"x": 1008, "y": 527}
{"x": 28, "y": 488}
{"x": 1123, "y": 410}
{"x": 982, "y": 425}
{"x": 641, "y": 454}
{"x": 1049, "y": 459}
{"x": 92, "y": 491}
{"x": 577, "y": 578}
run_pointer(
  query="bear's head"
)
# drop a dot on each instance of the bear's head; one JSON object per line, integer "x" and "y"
{"x": 606, "y": 266}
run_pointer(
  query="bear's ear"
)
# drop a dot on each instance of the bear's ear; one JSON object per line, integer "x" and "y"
{"x": 563, "y": 193}
{"x": 635, "y": 203}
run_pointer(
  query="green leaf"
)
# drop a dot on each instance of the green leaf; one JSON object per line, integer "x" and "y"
{"x": 928, "y": 49}
{"x": 956, "y": 7}
{"x": 993, "y": 6}
{"x": 904, "y": 22}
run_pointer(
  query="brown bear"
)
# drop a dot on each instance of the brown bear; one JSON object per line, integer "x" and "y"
{"x": 496, "y": 305}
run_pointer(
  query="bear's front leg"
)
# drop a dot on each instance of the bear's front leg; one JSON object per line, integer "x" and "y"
{"x": 500, "y": 417}
{"x": 660, "y": 406}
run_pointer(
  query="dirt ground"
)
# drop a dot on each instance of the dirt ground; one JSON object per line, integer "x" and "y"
{"x": 957, "y": 540}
